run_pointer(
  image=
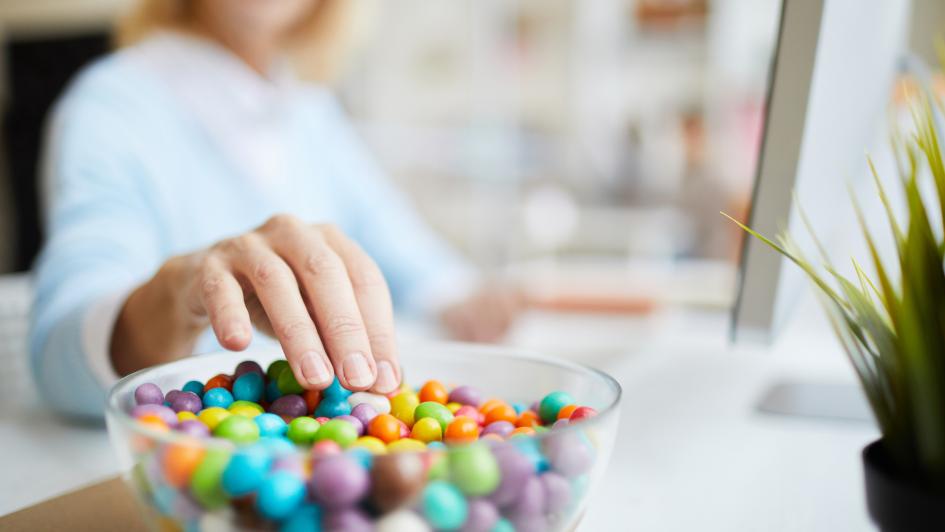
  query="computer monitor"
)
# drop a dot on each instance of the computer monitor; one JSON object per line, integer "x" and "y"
{"x": 834, "y": 66}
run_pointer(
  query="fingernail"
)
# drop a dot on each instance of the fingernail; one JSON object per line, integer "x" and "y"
{"x": 386, "y": 378}
{"x": 314, "y": 368}
{"x": 357, "y": 370}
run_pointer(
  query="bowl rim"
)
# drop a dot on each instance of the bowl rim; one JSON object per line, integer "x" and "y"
{"x": 114, "y": 411}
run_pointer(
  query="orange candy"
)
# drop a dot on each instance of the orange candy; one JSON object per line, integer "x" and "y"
{"x": 434, "y": 391}
{"x": 385, "y": 427}
{"x": 312, "y": 398}
{"x": 500, "y": 412}
{"x": 179, "y": 461}
{"x": 528, "y": 419}
{"x": 154, "y": 422}
{"x": 219, "y": 381}
{"x": 462, "y": 430}
{"x": 486, "y": 406}
{"x": 566, "y": 411}
{"x": 527, "y": 431}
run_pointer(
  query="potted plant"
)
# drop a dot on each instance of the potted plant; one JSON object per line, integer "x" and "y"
{"x": 891, "y": 324}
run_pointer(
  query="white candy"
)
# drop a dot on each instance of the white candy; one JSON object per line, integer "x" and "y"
{"x": 402, "y": 521}
{"x": 379, "y": 402}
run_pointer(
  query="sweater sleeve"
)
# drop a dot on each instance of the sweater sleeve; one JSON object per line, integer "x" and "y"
{"x": 102, "y": 239}
{"x": 423, "y": 271}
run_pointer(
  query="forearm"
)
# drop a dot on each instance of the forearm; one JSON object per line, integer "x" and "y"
{"x": 155, "y": 325}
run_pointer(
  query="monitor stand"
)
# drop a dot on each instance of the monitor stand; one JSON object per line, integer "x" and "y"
{"x": 824, "y": 400}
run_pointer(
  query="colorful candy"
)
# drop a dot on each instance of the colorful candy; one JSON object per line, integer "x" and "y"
{"x": 436, "y": 458}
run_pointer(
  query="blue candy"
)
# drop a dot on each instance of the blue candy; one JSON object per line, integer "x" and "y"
{"x": 529, "y": 447}
{"x": 307, "y": 518}
{"x": 277, "y": 446}
{"x": 362, "y": 456}
{"x": 336, "y": 392}
{"x": 249, "y": 387}
{"x": 519, "y": 408}
{"x": 332, "y": 408}
{"x": 279, "y": 495}
{"x": 217, "y": 397}
{"x": 194, "y": 386}
{"x": 444, "y": 505}
{"x": 503, "y": 525}
{"x": 272, "y": 391}
{"x": 246, "y": 470}
{"x": 270, "y": 424}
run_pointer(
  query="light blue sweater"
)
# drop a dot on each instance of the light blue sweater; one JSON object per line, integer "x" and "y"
{"x": 133, "y": 178}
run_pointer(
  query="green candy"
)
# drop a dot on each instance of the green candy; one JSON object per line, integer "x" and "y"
{"x": 237, "y": 429}
{"x": 439, "y": 468}
{"x": 276, "y": 368}
{"x": 434, "y": 410}
{"x": 287, "y": 384}
{"x": 302, "y": 430}
{"x": 551, "y": 404}
{"x": 444, "y": 506}
{"x": 205, "y": 480}
{"x": 474, "y": 470}
{"x": 338, "y": 431}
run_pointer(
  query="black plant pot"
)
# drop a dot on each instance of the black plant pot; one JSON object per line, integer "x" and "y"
{"x": 896, "y": 503}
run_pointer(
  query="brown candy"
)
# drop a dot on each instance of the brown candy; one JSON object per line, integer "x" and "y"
{"x": 396, "y": 480}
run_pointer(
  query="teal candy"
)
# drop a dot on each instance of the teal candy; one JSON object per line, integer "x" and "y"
{"x": 338, "y": 431}
{"x": 519, "y": 408}
{"x": 249, "y": 387}
{"x": 307, "y": 518}
{"x": 246, "y": 470}
{"x": 362, "y": 456}
{"x": 436, "y": 445}
{"x": 237, "y": 429}
{"x": 530, "y": 448}
{"x": 302, "y": 430}
{"x": 164, "y": 498}
{"x": 336, "y": 391}
{"x": 195, "y": 387}
{"x": 279, "y": 495}
{"x": 217, "y": 397}
{"x": 270, "y": 425}
{"x": 272, "y": 391}
{"x": 435, "y": 410}
{"x": 276, "y": 368}
{"x": 287, "y": 383}
{"x": 330, "y": 408}
{"x": 474, "y": 470}
{"x": 551, "y": 404}
{"x": 444, "y": 506}
{"x": 503, "y": 525}
{"x": 277, "y": 446}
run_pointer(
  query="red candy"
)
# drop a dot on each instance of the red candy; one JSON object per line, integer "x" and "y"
{"x": 582, "y": 412}
{"x": 219, "y": 381}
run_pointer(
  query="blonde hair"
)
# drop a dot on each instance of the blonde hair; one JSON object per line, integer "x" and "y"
{"x": 319, "y": 46}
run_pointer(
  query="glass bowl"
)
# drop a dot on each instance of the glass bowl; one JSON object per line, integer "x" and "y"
{"x": 564, "y": 463}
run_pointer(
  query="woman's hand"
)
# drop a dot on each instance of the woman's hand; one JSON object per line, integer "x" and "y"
{"x": 315, "y": 290}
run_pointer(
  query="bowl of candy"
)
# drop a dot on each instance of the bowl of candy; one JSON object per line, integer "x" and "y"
{"x": 476, "y": 439}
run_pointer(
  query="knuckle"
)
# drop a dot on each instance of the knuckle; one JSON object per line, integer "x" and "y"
{"x": 321, "y": 263}
{"x": 342, "y": 326}
{"x": 282, "y": 222}
{"x": 267, "y": 270}
{"x": 294, "y": 329}
{"x": 210, "y": 286}
{"x": 330, "y": 230}
{"x": 367, "y": 277}
{"x": 381, "y": 338}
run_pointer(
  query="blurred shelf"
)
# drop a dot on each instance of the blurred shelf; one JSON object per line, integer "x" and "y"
{"x": 24, "y": 18}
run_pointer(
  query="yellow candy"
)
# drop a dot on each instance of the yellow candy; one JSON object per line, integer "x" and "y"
{"x": 406, "y": 445}
{"x": 185, "y": 415}
{"x": 372, "y": 444}
{"x": 247, "y": 410}
{"x": 453, "y": 407}
{"x": 212, "y": 416}
{"x": 403, "y": 405}
{"x": 427, "y": 430}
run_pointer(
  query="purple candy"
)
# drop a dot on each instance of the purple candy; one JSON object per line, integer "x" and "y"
{"x": 482, "y": 516}
{"x": 358, "y": 425}
{"x": 557, "y": 492}
{"x": 500, "y": 428}
{"x": 530, "y": 501}
{"x": 347, "y": 520}
{"x": 171, "y": 395}
{"x": 530, "y": 523}
{"x": 247, "y": 366}
{"x": 289, "y": 406}
{"x": 339, "y": 481}
{"x": 466, "y": 395}
{"x": 364, "y": 413}
{"x": 166, "y": 414}
{"x": 568, "y": 453}
{"x": 193, "y": 427}
{"x": 149, "y": 394}
{"x": 560, "y": 424}
{"x": 516, "y": 469}
{"x": 535, "y": 406}
{"x": 186, "y": 401}
{"x": 293, "y": 463}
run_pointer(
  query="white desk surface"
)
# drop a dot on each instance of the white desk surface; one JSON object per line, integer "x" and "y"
{"x": 693, "y": 453}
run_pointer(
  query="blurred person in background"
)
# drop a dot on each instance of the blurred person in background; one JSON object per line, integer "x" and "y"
{"x": 196, "y": 189}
